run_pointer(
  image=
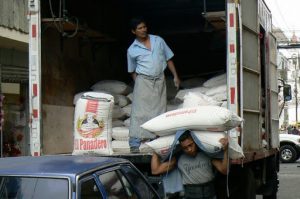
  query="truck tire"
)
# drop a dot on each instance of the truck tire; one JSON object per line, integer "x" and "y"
{"x": 271, "y": 187}
{"x": 288, "y": 154}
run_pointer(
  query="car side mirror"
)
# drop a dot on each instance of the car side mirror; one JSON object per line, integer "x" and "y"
{"x": 287, "y": 92}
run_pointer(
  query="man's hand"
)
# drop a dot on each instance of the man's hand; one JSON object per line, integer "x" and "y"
{"x": 176, "y": 82}
{"x": 224, "y": 142}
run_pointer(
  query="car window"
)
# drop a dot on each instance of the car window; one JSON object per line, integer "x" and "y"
{"x": 89, "y": 189}
{"x": 34, "y": 188}
{"x": 141, "y": 187}
{"x": 116, "y": 185}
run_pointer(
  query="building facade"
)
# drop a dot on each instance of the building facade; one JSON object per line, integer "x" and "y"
{"x": 14, "y": 77}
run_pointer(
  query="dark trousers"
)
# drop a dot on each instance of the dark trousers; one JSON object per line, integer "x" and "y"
{"x": 200, "y": 191}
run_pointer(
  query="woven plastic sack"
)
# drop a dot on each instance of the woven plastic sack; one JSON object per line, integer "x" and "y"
{"x": 216, "y": 90}
{"x": 161, "y": 145}
{"x": 92, "y": 124}
{"x": 216, "y": 81}
{"x": 113, "y": 86}
{"x": 198, "y": 99}
{"x": 120, "y": 133}
{"x": 181, "y": 93}
{"x": 204, "y": 118}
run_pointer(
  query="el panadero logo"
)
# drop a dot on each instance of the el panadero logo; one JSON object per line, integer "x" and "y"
{"x": 89, "y": 126}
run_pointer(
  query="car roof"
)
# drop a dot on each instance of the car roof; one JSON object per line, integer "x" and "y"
{"x": 56, "y": 165}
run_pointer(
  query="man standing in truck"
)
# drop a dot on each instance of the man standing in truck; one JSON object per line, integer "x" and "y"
{"x": 147, "y": 57}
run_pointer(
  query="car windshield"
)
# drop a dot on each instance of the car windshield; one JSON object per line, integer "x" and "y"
{"x": 33, "y": 188}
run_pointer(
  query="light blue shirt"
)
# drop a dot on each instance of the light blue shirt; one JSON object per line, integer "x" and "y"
{"x": 150, "y": 62}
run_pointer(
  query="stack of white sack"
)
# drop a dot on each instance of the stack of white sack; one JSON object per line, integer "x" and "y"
{"x": 209, "y": 121}
{"x": 92, "y": 124}
{"x": 121, "y": 112}
{"x": 122, "y": 94}
{"x": 217, "y": 88}
{"x": 120, "y": 136}
{"x": 214, "y": 88}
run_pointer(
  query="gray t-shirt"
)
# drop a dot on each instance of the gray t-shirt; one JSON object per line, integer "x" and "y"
{"x": 195, "y": 170}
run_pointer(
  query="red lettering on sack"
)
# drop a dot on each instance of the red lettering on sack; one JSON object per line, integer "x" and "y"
{"x": 94, "y": 144}
{"x": 175, "y": 113}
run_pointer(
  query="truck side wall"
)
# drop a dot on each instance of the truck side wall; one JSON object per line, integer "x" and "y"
{"x": 70, "y": 66}
{"x": 251, "y": 137}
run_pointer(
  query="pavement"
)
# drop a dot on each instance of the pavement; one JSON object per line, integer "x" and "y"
{"x": 289, "y": 181}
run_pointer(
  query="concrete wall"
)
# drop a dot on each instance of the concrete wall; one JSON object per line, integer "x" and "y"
{"x": 72, "y": 65}
{"x": 69, "y": 66}
{"x": 58, "y": 129}
{"x": 13, "y": 15}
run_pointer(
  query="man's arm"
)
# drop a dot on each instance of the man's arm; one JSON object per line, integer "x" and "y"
{"x": 159, "y": 168}
{"x": 222, "y": 165}
{"x": 172, "y": 68}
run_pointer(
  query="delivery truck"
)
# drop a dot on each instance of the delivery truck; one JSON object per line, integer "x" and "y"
{"x": 74, "y": 44}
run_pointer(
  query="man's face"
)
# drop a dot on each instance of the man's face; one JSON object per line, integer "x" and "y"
{"x": 189, "y": 147}
{"x": 141, "y": 31}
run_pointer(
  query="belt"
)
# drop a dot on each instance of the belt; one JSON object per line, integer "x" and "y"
{"x": 201, "y": 184}
{"x": 151, "y": 77}
{"x": 203, "y": 191}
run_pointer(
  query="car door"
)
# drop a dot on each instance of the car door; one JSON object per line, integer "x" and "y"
{"x": 125, "y": 182}
{"x": 88, "y": 188}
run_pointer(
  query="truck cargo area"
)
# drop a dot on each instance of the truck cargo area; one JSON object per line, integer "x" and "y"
{"x": 85, "y": 42}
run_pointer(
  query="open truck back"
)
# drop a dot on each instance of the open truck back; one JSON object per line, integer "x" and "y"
{"x": 74, "y": 44}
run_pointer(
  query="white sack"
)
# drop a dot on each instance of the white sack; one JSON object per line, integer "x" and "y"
{"x": 120, "y": 133}
{"x": 127, "y": 110}
{"x": 216, "y": 81}
{"x": 118, "y": 113}
{"x": 216, "y": 90}
{"x": 210, "y": 140}
{"x": 181, "y": 93}
{"x": 92, "y": 124}
{"x": 77, "y": 96}
{"x": 235, "y": 151}
{"x": 205, "y": 118}
{"x": 122, "y": 100}
{"x": 220, "y": 97}
{"x": 122, "y": 147}
{"x": 162, "y": 145}
{"x": 224, "y": 104}
{"x": 130, "y": 96}
{"x": 127, "y": 122}
{"x": 116, "y": 123}
{"x": 198, "y": 99}
{"x": 113, "y": 86}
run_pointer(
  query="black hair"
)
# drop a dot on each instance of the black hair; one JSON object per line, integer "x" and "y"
{"x": 185, "y": 135}
{"x": 134, "y": 22}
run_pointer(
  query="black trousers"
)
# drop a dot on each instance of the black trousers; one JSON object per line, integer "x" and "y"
{"x": 200, "y": 191}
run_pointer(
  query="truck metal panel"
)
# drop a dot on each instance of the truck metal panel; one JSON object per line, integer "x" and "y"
{"x": 273, "y": 92}
{"x": 250, "y": 14}
{"x": 251, "y": 76}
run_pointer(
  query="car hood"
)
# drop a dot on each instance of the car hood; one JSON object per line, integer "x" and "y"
{"x": 289, "y": 137}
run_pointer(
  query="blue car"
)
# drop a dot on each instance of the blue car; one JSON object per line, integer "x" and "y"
{"x": 66, "y": 177}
